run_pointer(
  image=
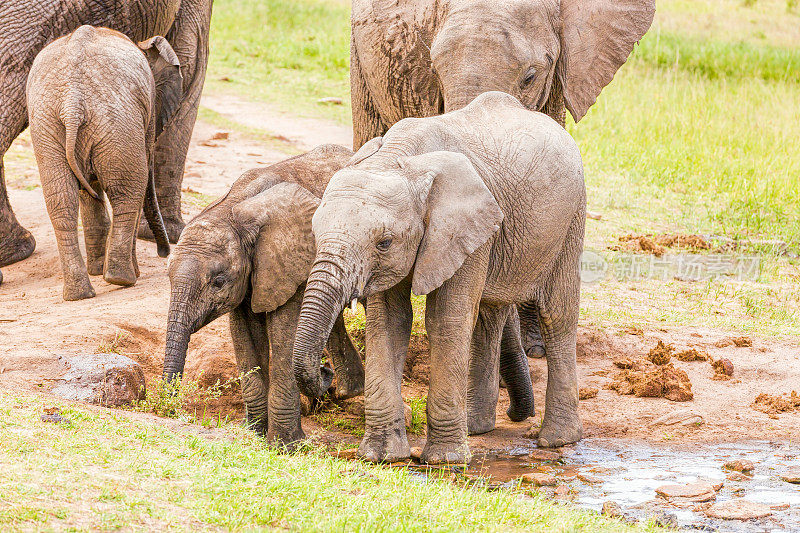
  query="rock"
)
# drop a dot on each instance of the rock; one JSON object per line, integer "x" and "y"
{"x": 416, "y": 453}
{"x": 539, "y": 480}
{"x": 693, "y": 492}
{"x": 739, "y": 465}
{"x": 540, "y": 454}
{"x": 723, "y": 368}
{"x": 331, "y": 100}
{"x": 588, "y": 478}
{"x": 683, "y": 417}
{"x": 738, "y": 476}
{"x": 611, "y": 509}
{"x": 562, "y": 491}
{"x": 593, "y": 215}
{"x": 585, "y": 393}
{"x": 661, "y": 353}
{"x": 791, "y": 476}
{"x": 105, "y": 379}
{"x": 407, "y": 414}
{"x": 738, "y": 509}
{"x": 664, "y": 519}
{"x": 53, "y": 415}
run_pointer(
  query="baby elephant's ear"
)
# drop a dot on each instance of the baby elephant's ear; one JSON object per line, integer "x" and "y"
{"x": 280, "y": 221}
{"x": 461, "y": 215}
{"x": 167, "y": 74}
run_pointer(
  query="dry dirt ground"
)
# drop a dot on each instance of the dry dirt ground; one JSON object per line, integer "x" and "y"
{"x": 36, "y": 326}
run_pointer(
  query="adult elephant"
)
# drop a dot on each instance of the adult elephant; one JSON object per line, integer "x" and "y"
{"x": 420, "y": 58}
{"x": 26, "y": 27}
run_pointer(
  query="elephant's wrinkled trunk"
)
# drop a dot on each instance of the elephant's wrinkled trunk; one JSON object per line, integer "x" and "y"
{"x": 180, "y": 326}
{"x": 325, "y": 296}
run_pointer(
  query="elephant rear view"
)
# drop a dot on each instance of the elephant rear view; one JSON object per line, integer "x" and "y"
{"x": 96, "y": 104}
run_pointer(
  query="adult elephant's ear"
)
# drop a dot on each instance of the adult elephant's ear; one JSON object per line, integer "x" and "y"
{"x": 596, "y": 39}
{"x": 369, "y": 148}
{"x": 167, "y": 74}
{"x": 460, "y": 215}
{"x": 279, "y": 219}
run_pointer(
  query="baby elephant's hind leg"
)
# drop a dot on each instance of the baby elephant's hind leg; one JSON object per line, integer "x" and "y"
{"x": 60, "y": 190}
{"x": 95, "y": 227}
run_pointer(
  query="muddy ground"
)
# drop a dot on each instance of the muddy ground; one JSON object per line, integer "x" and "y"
{"x": 36, "y": 326}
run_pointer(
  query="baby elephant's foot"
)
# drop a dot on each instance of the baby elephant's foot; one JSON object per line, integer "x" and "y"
{"x": 78, "y": 288}
{"x": 385, "y": 447}
{"x": 124, "y": 275}
{"x": 560, "y": 433}
{"x": 442, "y": 453}
{"x": 95, "y": 266}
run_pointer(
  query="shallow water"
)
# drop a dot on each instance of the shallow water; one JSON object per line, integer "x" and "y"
{"x": 629, "y": 473}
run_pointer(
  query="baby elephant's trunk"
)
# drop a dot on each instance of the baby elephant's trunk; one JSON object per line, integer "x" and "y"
{"x": 153, "y": 215}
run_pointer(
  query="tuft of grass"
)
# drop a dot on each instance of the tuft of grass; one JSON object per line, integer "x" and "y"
{"x": 419, "y": 416}
{"x": 113, "y": 345}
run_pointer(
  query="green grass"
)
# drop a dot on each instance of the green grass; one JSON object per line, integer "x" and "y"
{"x": 106, "y": 470}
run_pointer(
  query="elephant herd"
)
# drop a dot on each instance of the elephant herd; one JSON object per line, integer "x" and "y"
{"x": 464, "y": 187}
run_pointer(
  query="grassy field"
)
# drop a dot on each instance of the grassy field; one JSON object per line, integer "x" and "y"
{"x": 696, "y": 134}
{"x": 105, "y": 470}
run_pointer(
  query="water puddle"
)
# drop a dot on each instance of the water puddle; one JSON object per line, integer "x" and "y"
{"x": 595, "y": 471}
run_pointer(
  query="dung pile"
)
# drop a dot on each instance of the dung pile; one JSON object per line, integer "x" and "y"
{"x": 772, "y": 405}
{"x": 657, "y": 244}
{"x": 692, "y": 354}
{"x": 647, "y": 380}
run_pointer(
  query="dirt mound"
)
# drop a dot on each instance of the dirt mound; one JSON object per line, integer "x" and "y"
{"x": 657, "y": 244}
{"x": 771, "y": 404}
{"x": 661, "y": 353}
{"x": 646, "y": 380}
{"x": 692, "y": 354}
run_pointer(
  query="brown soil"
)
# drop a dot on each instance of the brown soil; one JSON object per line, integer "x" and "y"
{"x": 37, "y": 326}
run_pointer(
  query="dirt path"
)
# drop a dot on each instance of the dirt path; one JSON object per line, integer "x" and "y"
{"x": 36, "y": 326}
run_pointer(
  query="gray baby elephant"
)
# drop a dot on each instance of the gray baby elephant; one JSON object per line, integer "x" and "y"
{"x": 480, "y": 208}
{"x": 96, "y": 103}
{"x": 248, "y": 255}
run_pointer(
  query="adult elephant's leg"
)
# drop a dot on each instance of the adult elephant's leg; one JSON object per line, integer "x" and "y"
{"x": 95, "y": 227}
{"x": 532, "y": 341}
{"x": 60, "y": 189}
{"x": 483, "y": 387}
{"x": 251, "y": 346}
{"x": 559, "y": 321}
{"x": 16, "y": 243}
{"x": 388, "y": 330}
{"x": 284, "y": 396}
{"x": 189, "y": 39}
{"x": 347, "y": 365}
{"x": 367, "y": 122}
{"x": 450, "y": 315}
{"x": 515, "y": 371}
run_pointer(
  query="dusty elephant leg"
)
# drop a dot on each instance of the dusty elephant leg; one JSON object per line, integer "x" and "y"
{"x": 559, "y": 321}
{"x": 284, "y": 396}
{"x": 16, "y": 243}
{"x": 347, "y": 363}
{"x": 515, "y": 371}
{"x": 483, "y": 387}
{"x": 95, "y": 227}
{"x": 60, "y": 190}
{"x": 450, "y": 315}
{"x": 251, "y": 346}
{"x": 388, "y": 330}
{"x": 367, "y": 122}
{"x": 532, "y": 340}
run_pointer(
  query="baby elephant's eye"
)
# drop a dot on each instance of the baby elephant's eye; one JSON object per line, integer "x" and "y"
{"x": 384, "y": 244}
{"x": 218, "y": 281}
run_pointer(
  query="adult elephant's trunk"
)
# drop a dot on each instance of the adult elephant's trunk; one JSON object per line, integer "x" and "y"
{"x": 325, "y": 295}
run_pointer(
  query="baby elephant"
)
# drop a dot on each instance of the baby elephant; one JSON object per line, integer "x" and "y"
{"x": 248, "y": 255}
{"x": 96, "y": 104}
{"x": 480, "y": 208}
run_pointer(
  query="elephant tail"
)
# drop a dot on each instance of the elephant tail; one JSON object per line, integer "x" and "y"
{"x": 152, "y": 212}
{"x": 72, "y": 122}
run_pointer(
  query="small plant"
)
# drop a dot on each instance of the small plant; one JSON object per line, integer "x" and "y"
{"x": 113, "y": 345}
{"x": 791, "y": 5}
{"x": 418, "y": 414}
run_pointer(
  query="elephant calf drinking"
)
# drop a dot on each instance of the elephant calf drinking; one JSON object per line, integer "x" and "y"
{"x": 248, "y": 255}
{"x": 479, "y": 208}
{"x": 96, "y": 103}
